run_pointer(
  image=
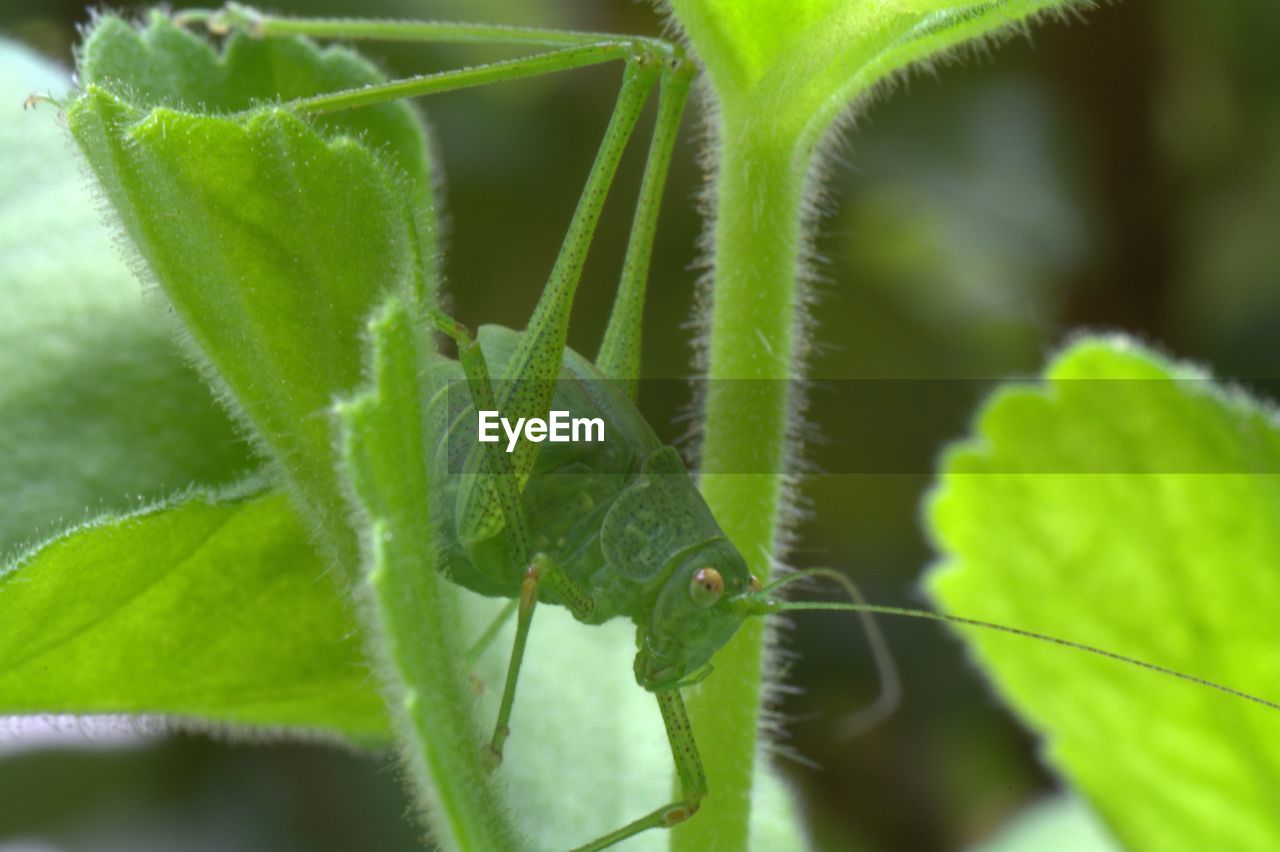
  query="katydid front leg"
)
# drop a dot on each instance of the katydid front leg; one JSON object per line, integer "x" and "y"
{"x": 542, "y": 571}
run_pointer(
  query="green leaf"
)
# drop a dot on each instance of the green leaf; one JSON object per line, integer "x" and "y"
{"x": 412, "y": 608}
{"x": 99, "y": 407}
{"x": 272, "y": 237}
{"x": 1130, "y": 504}
{"x": 163, "y": 65}
{"x": 803, "y": 63}
{"x": 212, "y": 608}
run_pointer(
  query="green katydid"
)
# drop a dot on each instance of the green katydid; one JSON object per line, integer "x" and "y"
{"x": 617, "y": 530}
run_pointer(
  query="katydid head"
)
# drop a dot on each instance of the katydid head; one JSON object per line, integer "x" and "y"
{"x": 698, "y": 609}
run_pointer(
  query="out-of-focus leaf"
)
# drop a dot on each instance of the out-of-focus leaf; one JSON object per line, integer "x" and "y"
{"x": 272, "y": 236}
{"x": 97, "y": 406}
{"x": 1063, "y": 824}
{"x": 1132, "y": 505}
{"x": 213, "y": 608}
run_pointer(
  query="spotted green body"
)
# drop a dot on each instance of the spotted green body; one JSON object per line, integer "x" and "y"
{"x": 621, "y": 517}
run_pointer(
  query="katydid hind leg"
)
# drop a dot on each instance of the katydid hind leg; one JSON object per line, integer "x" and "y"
{"x": 258, "y": 24}
{"x": 558, "y": 51}
{"x": 535, "y": 365}
{"x": 619, "y": 354}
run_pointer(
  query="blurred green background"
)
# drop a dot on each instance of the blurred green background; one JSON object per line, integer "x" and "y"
{"x": 1118, "y": 172}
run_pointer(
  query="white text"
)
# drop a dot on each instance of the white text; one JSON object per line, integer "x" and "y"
{"x": 559, "y": 428}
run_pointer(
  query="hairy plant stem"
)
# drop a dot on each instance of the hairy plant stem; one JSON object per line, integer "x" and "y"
{"x": 758, "y": 203}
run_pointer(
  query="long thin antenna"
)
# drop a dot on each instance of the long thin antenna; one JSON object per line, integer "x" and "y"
{"x": 769, "y": 606}
{"x": 890, "y": 694}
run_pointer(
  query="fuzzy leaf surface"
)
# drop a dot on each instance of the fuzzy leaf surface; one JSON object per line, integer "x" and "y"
{"x": 413, "y": 609}
{"x": 272, "y": 236}
{"x": 212, "y": 608}
{"x": 98, "y": 407}
{"x": 1131, "y": 504}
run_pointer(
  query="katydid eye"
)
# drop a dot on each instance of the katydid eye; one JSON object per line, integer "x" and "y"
{"x": 706, "y": 587}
